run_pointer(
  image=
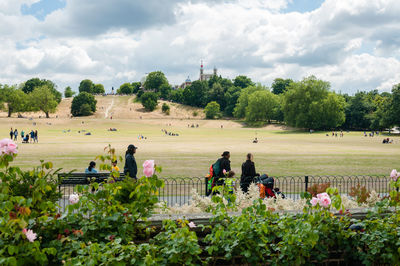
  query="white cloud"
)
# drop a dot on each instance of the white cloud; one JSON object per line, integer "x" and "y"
{"x": 352, "y": 44}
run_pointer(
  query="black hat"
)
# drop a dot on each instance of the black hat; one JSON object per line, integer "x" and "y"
{"x": 225, "y": 153}
{"x": 131, "y": 147}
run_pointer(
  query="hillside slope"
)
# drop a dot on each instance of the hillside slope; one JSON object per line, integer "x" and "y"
{"x": 121, "y": 107}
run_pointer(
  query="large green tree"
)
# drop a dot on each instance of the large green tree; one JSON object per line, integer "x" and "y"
{"x": 99, "y": 89}
{"x": 279, "y": 85}
{"x": 195, "y": 94}
{"x": 13, "y": 100}
{"x": 394, "y": 108}
{"x": 125, "y": 88}
{"x": 86, "y": 85}
{"x": 310, "y": 104}
{"x": 358, "y": 111}
{"x": 80, "y": 103}
{"x": 231, "y": 97}
{"x": 243, "y": 100}
{"x": 43, "y": 99}
{"x": 155, "y": 80}
{"x": 33, "y": 83}
{"x": 243, "y": 82}
{"x": 262, "y": 106}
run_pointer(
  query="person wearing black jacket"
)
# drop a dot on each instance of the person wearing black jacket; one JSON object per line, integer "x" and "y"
{"x": 248, "y": 173}
{"x": 224, "y": 164}
{"x": 130, "y": 168}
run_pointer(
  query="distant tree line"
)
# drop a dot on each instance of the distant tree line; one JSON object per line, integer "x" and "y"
{"x": 309, "y": 103}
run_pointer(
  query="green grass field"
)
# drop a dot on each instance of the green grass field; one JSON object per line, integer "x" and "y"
{"x": 278, "y": 153}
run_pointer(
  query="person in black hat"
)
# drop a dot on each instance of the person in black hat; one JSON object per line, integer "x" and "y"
{"x": 130, "y": 168}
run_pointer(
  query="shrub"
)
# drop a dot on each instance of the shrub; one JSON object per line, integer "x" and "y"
{"x": 212, "y": 110}
{"x": 149, "y": 101}
{"x": 165, "y": 108}
{"x": 360, "y": 193}
{"x": 195, "y": 113}
{"x": 318, "y": 188}
{"x": 80, "y": 100}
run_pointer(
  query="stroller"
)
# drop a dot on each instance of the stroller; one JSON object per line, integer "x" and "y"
{"x": 266, "y": 186}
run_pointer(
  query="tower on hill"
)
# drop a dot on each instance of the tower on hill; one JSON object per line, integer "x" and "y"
{"x": 204, "y": 76}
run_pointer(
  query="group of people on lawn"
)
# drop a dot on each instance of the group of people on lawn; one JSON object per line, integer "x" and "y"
{"x": 29, "y": 137}
{"x": 224, "y": 177}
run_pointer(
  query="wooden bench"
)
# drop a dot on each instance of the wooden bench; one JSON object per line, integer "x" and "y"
{"x": 83, "y": 178}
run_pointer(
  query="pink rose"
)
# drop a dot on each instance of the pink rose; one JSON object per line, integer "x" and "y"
{"x": 325, "y": 202}
{"x": 148, "y": 168}
{"x": 314, "y": 201}
{"x": 394, "y": 174}
{"x": 73, "y": 198}
{"x": 30, "y": 235}
{"x": 321, "y": 195}
{"x": 192, "y": 225}
{"x": 7, "y": 146}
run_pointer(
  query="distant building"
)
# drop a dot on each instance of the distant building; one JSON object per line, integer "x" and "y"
{"x": 204, "y": 76}
{"x": 187, "y": 82}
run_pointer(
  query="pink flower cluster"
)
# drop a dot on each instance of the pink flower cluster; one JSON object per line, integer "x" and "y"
{"x": 30, "y": 235}
{"x": 322, "y": 199}
{"x": 7, "y": 146}
{"x": 394, "y": 175}
{"x": 148, "y": 168}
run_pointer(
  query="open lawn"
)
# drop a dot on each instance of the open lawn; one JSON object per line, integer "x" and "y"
{"x": 279, "y": 152}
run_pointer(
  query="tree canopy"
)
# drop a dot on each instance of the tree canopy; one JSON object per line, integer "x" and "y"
{"x": 43, "y": 99}
{"x": 68, "y": 93}
{"x": 149, "y": 101}
{"x": 81, "y": 102}
{"x": 310, "y": 104}
{"x": 155, "y": 80}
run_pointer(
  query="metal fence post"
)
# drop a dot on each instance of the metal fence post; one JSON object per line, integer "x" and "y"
{"x": 306, "y": 182}
{"x": 206, "y": 183}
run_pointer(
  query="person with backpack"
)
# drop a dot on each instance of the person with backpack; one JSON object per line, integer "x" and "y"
{"x": 216, "y": 176}
{"x": 248, "y": 173}
{"x": 130, "y": 168}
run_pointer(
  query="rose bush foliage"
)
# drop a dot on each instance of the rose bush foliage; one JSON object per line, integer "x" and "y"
{"x": 105, "y": 224}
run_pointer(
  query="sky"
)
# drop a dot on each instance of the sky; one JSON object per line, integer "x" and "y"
{"x": 355, "y": 45}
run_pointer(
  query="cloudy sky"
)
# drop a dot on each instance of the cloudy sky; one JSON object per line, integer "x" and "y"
{"x": 353, "y": 44}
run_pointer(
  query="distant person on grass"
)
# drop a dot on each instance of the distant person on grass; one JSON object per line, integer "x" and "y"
{"x": 130, "y": 168}
{"x": 90, "y": 169}
{"x": 22, "y": 135}
{"x": 36, "y": 136}
{"x": 11, "y": 134}
{"x": 15, "y": 134}
{"x": 248, "y": 173}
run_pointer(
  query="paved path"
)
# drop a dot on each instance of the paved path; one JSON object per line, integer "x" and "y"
{"x": 109, "y": 108}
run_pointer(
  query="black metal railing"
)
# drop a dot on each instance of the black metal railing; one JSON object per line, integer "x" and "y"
{"x": 178, "y": 191}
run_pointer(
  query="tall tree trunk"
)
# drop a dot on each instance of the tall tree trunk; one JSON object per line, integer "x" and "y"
{"x": 9, "y": 112}
{"x": 47, "y": 114}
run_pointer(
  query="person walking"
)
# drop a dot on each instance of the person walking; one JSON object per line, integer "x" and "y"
{"x": 32, "y": 135}
{"x": 15, "y": 134}
{"x": 130, "y": 168}
{"x": 248, "y": 173}
{"x": 36, "y": 136}
{"x": 11, "y": 134}
{"x": 22, "y": 135}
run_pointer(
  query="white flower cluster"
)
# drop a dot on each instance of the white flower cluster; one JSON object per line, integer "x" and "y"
{"x": 201, "y": 204}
